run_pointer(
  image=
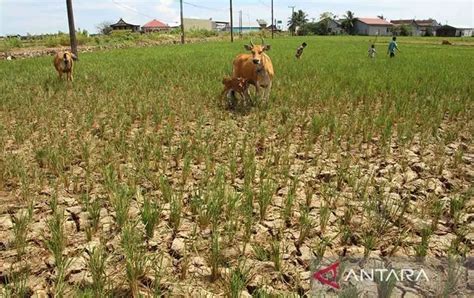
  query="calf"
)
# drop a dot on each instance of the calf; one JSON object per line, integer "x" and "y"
{"x": 256, "y": 68}
{"x": 239, "y": 85}
{"x": 64, "y": 63}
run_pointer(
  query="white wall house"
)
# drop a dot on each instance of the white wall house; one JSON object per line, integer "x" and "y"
{"x": 372, "y": 26}
{"x": 466, "y": 32}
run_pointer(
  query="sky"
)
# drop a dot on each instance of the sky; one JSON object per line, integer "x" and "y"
{"x": 49, "y": 16}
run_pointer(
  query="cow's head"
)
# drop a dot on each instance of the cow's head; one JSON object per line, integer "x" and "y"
{"x": 243, "y": 83}
{"x": 257, "y": 50}
{"x": 68, "y": 57}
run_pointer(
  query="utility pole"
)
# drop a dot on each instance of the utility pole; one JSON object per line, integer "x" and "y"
{"x": 231, "y": 23}
{"x": 292, "y": 13}
{"x": 182, "y": 23}
{"x": 72, "y": 28}
{"x": 292, "y": 9}
{"x": 240, "y": 23}
{"x": 273, "y": 29}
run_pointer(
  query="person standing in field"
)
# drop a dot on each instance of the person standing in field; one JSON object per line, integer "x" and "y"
{"x": 372, "y": 51}
{"x": 392, "y": 46}
{"x": 300, "y": 49}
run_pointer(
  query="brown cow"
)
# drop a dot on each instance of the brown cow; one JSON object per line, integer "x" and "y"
{"x": 64, "y": 63}
{"x": 255, "y": 67}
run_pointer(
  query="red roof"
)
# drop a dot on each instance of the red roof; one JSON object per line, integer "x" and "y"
{"x": 155, "y": 24}
{"x": 374, "y": 21}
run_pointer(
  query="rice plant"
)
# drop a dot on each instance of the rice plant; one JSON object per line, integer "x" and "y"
{"x": 97, "y": 265}
{"x": 136, "y": 259}
{"x": 20, "y": 229}
{"x": 56, "y": 244}
{"x": 150, "y": 215}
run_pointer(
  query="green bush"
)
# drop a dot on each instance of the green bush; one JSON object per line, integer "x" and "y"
{"x": 10, "y": 43}
{"x": 201, "y": 33}
{"x": 405, "y": 30}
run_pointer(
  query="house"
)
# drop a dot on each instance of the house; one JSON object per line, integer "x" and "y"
{"x": 18, "y": 36}
{"x": 427, "y": 27}
{"x": 465, "y": 32}
{"x": 122, "y": 25}
{"x": 372, "y": 26}
{"x": 410, "y": 24}
{"x": 275, "y": 28}
{"x": 450, "y": 31}
{"x": 155, "y": 26}
{"x": 205, "y": 24}
{"x": 333, "y": 27}
{"x": 246, "y": 29}
{"x": 220, "y": 26}
{"x": 197, "y": 24}
{"x": 418, "y": 27}
{"x": 446, "y": 31}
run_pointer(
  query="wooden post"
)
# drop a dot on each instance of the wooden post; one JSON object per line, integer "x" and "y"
{"x": 72, "y": 28}
{"x": 231, "y": 23}
{"x": 182, "y": 23}
{"x": 240, "y": 24}
{"x": 273, "y": 31}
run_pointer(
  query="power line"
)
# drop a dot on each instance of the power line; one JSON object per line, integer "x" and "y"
{"x": 131, "y": 9}
{"x": 263, "y": 3}
{"x": 203, "y": 7}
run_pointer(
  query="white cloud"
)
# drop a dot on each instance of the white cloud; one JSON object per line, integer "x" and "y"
{"x": 167, "y": 11}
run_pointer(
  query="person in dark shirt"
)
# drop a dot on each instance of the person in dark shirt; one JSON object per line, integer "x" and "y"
{"x": 300, "y": 49}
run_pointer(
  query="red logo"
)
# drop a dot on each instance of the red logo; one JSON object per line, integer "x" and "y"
{"x": 328, "y": 275}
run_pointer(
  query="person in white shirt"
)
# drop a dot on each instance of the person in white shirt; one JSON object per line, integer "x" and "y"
{"x": 372, "y": 51}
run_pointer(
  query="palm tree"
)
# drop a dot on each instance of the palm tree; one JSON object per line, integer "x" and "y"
{"x": 327, "y": 15}
{"x": 349, "y": 22}
{"x": 298, "y": 19}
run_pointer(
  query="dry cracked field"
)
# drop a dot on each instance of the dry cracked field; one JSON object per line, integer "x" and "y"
{"x": 136, "y": 181}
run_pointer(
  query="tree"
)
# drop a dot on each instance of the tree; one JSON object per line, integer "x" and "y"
{"x": 298, "y": 19}
{"x": 327, "y": 15}
{"x": 429, "y": 32}
{"x": 405, "y": 30}
{"x": 104, "y": 27}
{"x": 308, "y": 29}
{"x": 323, "y": 27}
{"x": 348, "y": 22}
